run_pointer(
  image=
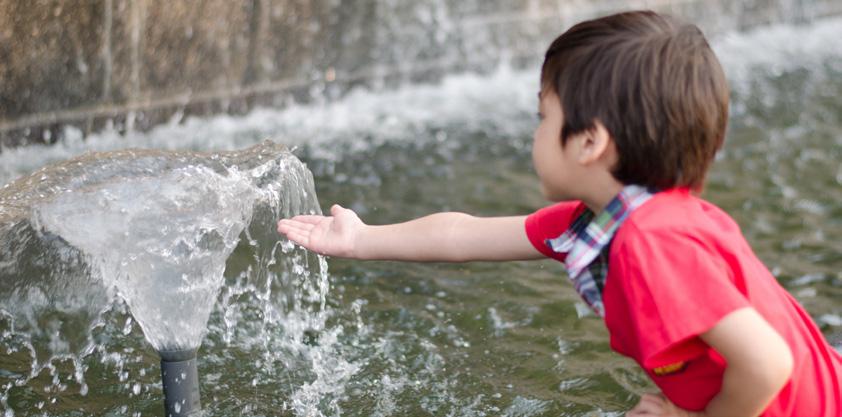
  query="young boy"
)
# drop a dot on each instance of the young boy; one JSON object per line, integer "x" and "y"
{"x": 633, "y": 109}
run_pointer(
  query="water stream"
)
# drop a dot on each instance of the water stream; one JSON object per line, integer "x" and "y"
{"x": 161, "y": 241}
{"x": 284, "y": 337}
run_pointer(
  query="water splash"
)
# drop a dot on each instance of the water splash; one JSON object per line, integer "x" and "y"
{"x": 161, "y": 241}
{"x": 273, "y": 338}
{"x": 90, "y": 239}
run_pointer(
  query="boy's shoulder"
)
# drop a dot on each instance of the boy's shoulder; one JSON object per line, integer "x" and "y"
{"x": 678, "y": 213}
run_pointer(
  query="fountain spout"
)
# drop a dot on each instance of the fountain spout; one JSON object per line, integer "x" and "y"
{"x": 180, "y": 379}
{"x": 141, "y": 231}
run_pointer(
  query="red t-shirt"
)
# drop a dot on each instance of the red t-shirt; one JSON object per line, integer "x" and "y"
{"x": 676, "y": 267}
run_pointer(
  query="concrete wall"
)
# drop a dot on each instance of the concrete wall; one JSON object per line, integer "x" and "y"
{"x": 130, "y": 64}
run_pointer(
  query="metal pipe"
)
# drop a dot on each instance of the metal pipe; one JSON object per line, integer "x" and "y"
{"x": 180, "y": 378}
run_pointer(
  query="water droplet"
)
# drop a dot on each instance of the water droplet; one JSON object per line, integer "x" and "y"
{"x": 127, "y": 328}
{"x": 830, "y": 320}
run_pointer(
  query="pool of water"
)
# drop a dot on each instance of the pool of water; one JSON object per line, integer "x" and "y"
{"x": 474, "y": 339}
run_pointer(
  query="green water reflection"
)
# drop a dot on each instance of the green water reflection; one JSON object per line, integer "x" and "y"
{"x": 508, "y": 332}
{"x": 477, "y": 339}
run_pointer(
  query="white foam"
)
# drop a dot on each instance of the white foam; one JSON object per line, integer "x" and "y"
{"x": 161, "y": 241}
{"x": 389, "y": 115}
{"x": 778, "y": 48}
{"x": 499, "y": 101}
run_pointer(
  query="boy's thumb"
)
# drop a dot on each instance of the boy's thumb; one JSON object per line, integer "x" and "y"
{"x": 335, "y": 209}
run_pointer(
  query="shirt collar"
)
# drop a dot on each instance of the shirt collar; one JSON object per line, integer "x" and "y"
{"x": 591, "y": 233}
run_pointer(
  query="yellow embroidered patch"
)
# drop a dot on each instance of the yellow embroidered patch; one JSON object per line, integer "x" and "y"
{"x": 669, "y": 369}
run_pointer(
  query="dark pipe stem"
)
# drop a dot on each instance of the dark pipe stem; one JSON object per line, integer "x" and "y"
{"x": 181, "y": 383}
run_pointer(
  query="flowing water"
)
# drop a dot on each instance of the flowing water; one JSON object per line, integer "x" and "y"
{"x": 286, "y": 337}
{"x": 138, "y": 231}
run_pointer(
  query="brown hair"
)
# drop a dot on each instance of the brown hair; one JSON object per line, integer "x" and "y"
{"x": 656, "y": 86}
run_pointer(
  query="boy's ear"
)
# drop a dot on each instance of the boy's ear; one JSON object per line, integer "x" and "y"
{"x": 596, "y": 144}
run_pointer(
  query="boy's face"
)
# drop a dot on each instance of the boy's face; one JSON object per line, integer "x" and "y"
{"x": 555, "y": 164}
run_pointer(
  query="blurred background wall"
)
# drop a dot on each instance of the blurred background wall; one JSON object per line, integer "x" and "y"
{"x": 132, "y": 64}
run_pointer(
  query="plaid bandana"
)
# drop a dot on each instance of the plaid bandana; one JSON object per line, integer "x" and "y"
{"x": 588, "y": 239}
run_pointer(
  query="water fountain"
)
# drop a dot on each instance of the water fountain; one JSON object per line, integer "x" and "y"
{"x": 388, "y": 339}
{"x": 153, "y": 228}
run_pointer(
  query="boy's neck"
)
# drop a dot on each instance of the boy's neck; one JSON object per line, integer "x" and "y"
{"x": 599, "y": 196}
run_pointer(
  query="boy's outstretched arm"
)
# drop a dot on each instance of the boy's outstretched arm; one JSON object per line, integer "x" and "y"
{"x": 446, "y": 237}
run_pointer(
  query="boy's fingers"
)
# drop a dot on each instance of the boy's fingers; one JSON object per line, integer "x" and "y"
{"x": 307, "y": 218}
{"x": 299, "y": 238}
{"x": 654, "y": 398}
{"x": 653, "y": 402}
{"x": 649, "y": 405}
{"x": 287, "y": 225}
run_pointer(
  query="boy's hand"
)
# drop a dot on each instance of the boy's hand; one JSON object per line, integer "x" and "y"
{"x": 651, "y": 405}
{"x": 334, "y": 235}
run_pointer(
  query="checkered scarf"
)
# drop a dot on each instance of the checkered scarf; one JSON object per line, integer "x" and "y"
{"x": 588, "y": 239}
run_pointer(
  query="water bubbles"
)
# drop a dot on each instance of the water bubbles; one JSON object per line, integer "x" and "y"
{"x": 810, "y": 207}
{"x": 272, "y": 302}
{"x": 189, "y": 202}
{"x": 830, "y": 319}
{"x": 127, "y": 328}
{"x": 124, "y": 265}
{"x": 807, "y": 279}
{"x": 582, "y": 310}
{"x": 287, "y": 246}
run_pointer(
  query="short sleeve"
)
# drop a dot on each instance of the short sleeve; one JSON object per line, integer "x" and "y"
{"x": 665, "y": 288}
{"x": 549, "y": 223}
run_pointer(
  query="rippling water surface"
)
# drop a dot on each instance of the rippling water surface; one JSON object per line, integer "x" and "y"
{"x": 461, "y": 339}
